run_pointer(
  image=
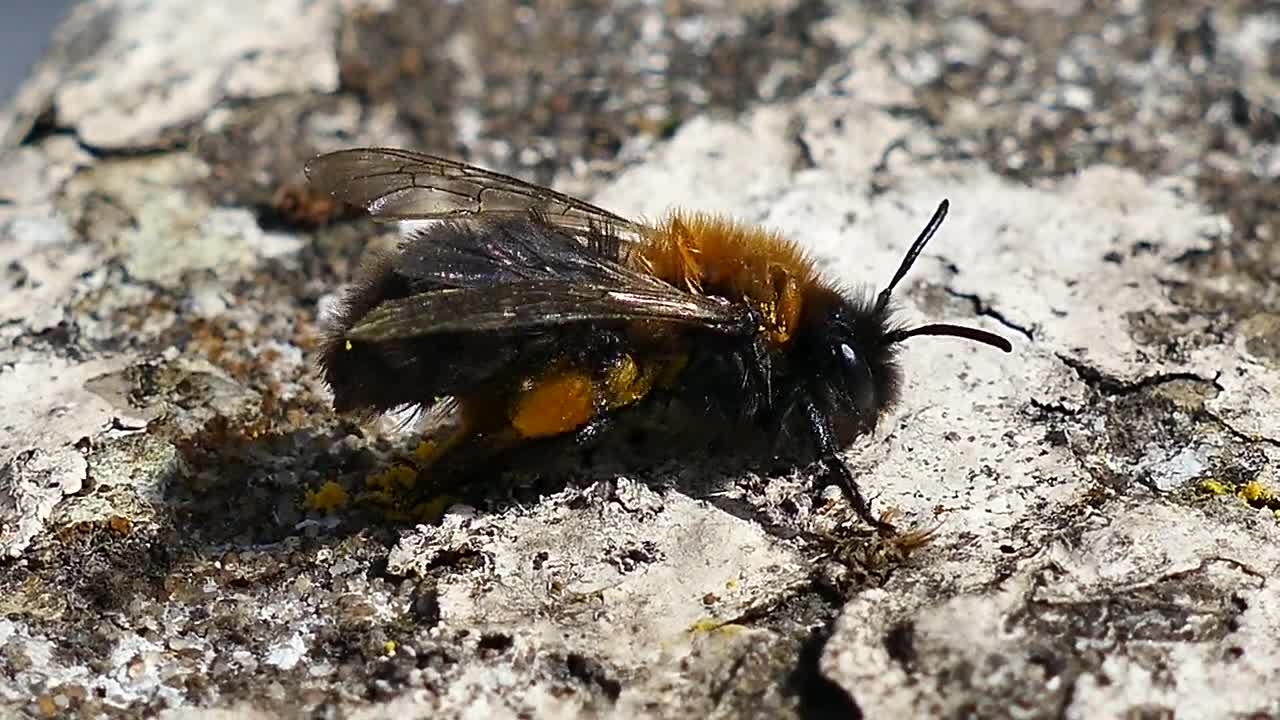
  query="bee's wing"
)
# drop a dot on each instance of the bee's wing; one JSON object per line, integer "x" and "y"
{"x": 530, "y": 305}
{"x": 397, "y": 184}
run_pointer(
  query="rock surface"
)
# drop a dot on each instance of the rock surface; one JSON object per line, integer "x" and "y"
{"x": 186, "y": 528}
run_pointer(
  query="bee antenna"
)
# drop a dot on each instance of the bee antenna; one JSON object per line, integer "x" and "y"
{"x": 959, "y": 331}
{"x": 923, "y": 239}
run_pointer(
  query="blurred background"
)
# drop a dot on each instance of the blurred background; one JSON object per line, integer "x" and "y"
{"x": 24, "y": 32}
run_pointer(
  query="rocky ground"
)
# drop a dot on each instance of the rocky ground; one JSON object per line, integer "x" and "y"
{"x": 186, "y": 528}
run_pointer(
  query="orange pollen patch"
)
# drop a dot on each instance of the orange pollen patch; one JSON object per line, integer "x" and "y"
{"x": 555, "y": 404}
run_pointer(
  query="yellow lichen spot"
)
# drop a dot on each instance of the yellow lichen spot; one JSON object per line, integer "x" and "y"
{"x": 389, "y": 647}
{"x": 732, "y": 584}
{"x": 705, "y": 625}
{"x": 1256, "y": 492}
{"x": 326, "y": 498}
{"x": 1214, "y": 486}
{"x": 394, "y": 493}
{"x": 553, "y": 405}
{"x": 375, "y": 497}
{"x": 395, "y": 477}
{"x": 708, "y": 625}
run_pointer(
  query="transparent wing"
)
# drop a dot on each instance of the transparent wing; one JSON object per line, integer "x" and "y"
{"x": 397, "y": 184}
{"x": 543, "y": 304}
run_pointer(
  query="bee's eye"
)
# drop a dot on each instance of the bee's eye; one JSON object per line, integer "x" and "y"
{"x": 850, "y": 357}
{"x": 859, "y": 383}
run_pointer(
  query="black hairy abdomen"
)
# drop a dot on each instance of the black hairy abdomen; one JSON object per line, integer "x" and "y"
{"x": 372, "y": 377}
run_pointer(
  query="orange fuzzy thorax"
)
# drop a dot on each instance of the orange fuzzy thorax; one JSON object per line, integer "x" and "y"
{"x": 717, "y": 256}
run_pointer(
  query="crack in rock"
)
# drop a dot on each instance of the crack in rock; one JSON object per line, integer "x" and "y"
{"x": 985, "y": 310}
{"x": 1237, "y": 432}
{"x": 1109, "y": 384}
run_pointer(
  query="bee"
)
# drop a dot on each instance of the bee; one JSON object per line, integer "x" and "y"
{"x": 531, "y": 314}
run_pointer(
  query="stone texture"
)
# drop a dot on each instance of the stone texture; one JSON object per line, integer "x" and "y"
{"x": 186, "y": 529}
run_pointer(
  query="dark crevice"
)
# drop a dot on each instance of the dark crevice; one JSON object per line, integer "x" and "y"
{"x": 804, "y": 159}
{"x": 819, "y": 696}
{"x": 141, "y": 151}
{"x": 1053, "y": 408}
{"x": 424, "y": 605}
{"x": 986, "y": 310}
{"x": 592, "y": 673}
{"x": 880, "y": 184}
{"x": 882, "y": 165}
{"x": 1145, "y": 480}
{"x": 1111, "y": 385}
{"x": 44, "y": 127}
{"x": 816, "y": 694}
{"x": 816, "y": 587}
{"x": 899, "y": 642}
{"x": 804, "y": 154}
{"x": 497, "y": 642}
{"x": 42, "y": 130}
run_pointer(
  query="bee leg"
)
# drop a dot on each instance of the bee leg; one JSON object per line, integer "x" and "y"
{"x": 467, "y": 449}
{"x": 833, "y": 469}
{"x": 761, "y": 368}
{"x": 432, "y": 451}
{"x": 473, "y": 423}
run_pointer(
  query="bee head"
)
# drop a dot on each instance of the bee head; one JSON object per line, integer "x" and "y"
{"x": 859, "y": 372}
{"x": 853, "y": 344}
